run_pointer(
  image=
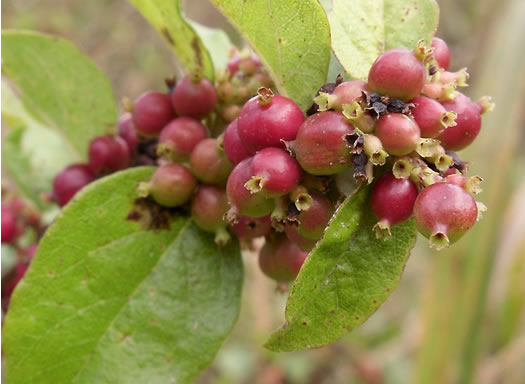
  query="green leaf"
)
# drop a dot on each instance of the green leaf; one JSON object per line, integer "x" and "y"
{"x": 362, "y": 30}
{"x": 166, "y": 17}
{"x": 216, "y": 41}
{"x": 106, "y": 301}
{"x": 60, "y": 87}
{"x": 292, "y": 38}
{"x": 345, "y": 279}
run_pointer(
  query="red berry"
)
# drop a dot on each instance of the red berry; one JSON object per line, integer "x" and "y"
{"x": 234, "y": 147}
{"x": 397, "y": 73}
{"x": 209, "y": 164}
{"x": 252, "y": 227}
{"x": 468, "y": 123}
{"x": 313, "y": 221}
{"x": 9, "y": 225}
{"x": 305, "y": 244}
{"x": 441, "y": 53}
{"x": 398, "y": 133}
{"x": 275, "y": 173}
{"x": 244, "y": 203}
{"x": 194, "y": 97}
{"x": 344, "y": 93}
{"x": 151, "y": 112}
{"x": 431, "y": 117}
{"x": 207, "y": 210}
{"x": 266, "y": 119}
{"x": 320, "y": 146}
{"x": 444, "y": 213}
{"x": 392, "y": 201}
{"x": 171, "y": 185}
{"x": 179, "y": 137}
{"x": 71, "y": 180}
{"x": 280, "y": 259}
{"x": 108, "y": 154}
{"x": 127, "y": 131}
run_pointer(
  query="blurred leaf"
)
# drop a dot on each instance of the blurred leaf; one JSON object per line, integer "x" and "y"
{"x": 105, "y": 301}
{"x": 166, "y": 17}
{"x": 362, "y": 30}
{"x": 9, "y": 259}
{"x": 347, "y": 276}
{"x": 216, "y": 41}
{"x": 291, "y": 37}
{"x": 59, "y": 86}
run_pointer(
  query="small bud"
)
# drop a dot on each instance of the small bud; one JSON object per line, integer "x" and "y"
{"x": 448, "y": 119}
{"x": 301, "y": 198}
{"x": 144, "y": 188}
{"x": 127, "y": 104}
{"x": 382, "y": 229}
{"x": 422, "y": 52}
{"x": 402, "y": 168}
{"x": 324, "y": 101}
{"x": 374, "y": 150}
{"x": 355, "y": 114}
{"x": 255, "y": 184}
{"x": 265, "y": 96}
{"x": 222, "y": 237}
{"x": 427, "y": 147}
{"x": 439, "y": 240}
{"x": 485, "y": 104}
{"x": 482, "y": 208}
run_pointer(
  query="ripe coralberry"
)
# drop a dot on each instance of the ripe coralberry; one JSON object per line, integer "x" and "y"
{"x": 275, "y": 173}
{"x": 209, "y": 164}
{"x": 171, "y": 185}
{"x": 108, "y": 154}
{"x": 280, "y": 259}
{"x": 194, "y": 96}
{"x": 344, "y": 93}
{"x": 244, "y": 203}
{"x": 266, "y": 119}
{"x": 305, "y": 244}
{"x": 9, "y": 225}
{"x": 398, "y": 133}
{"x": 71, "y": 180}
{"x": 468, "y": 123}
{"x": 127, "y": 131}
{"x": 313, "y": 221}
{"x": 431, "y": 117}
{"x": 207, "y": 210}
{"x": 441, "y": 53}
{"x": 151, "y": 112}
{"x": 179, "y": 137}
{"x": 398, "y": 73}
{"x": 234, "y": 148}
{"x": 392, "y": 201}
{"x": 444, "y": 213}
{"x": 252, "y": 227}
{"x": 320, "y": 146}
{"x": 10, "y": 285}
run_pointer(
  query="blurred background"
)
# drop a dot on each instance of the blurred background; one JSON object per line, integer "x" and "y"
{"x": 458, "y": 316}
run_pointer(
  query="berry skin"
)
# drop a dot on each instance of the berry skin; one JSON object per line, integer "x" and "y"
{"x": 151, "y": 112}
{"x": 127, "y": 131}
{"x": 305, "y": 244}
{"x": 108, "y": 154}
{"x": 207, "y": 210}
{"x": 209, "y": 164}
{"x": 244, "y": 203}
{"x": 431, "y": 117}
{"x": 71, "y": 180}
{"x": 397, "y": 73}
{"x": 266, "y": 119}
{"x": 398, "y": 133}
{"x": 252, "y": 227}
{"x": 444, "y": 213}
{"x": 280, "y": 259}
{"x": 441, "y": 53}
{"x": 392, "y": 201}
{"x": 171, "y": 185}
{"x": 179, "y": 137}
{"x": 320, "y": 146}
{"x": 194, "y": 97}
{"x": 9, "y": 225}
{"x": 344, "y": 93}
{"x": 468, "y": 123}
{"x": 313, "y": 221}
{"x": 275, "y": 173}
{"x": 233, "y": 146}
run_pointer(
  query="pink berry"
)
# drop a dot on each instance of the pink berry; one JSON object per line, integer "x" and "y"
{"x": 209, "y": 164}
{"x": 171, "y": 185}
{"x": 9, "y": 225}
{"x": 179, "y": 137}
{"x": 280, "y": 259}
{"x": 194, "y": 97}
{"x": 71, "y": 180}
{"x": 444, "y": 213}
{"x": 397, "y": 73}
{"x": 127, "y": 131}
{"x": 266, "y": 119}
{"x": 398, "y": 133}
{"x": 431, "y": 117}
{"x": 305, "y": 244}
{"x": 344, "y": 93}
{"x": 320, "y": 146}
{"x": 392, "y": 201}
{"x": 468, "y": 123}
{"x": 252, "y": 227}
{"x": 313, "y": 221}
{"x": 234, "y": 147}
{"x": 108, "y": 154}
{"x": 208, "y": 208}
{"x": 441, "y": 53}
{"x": 275, "y": 173}
{"x": 151, "y": 112}
{"x": 244, "y": 203}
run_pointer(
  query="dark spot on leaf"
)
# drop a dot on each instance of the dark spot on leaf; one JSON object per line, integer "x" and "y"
{"x": 407, "y": 11}
{"x": 152, "y": 216}
{"x": 124, "y": 336}
{"x": 342, "y": 316}
{"x": 388, "y": 289}
{"x": 374, "y": 302}
{"x": 304, "y": 323}
{"x": 329, "y": 322}
{"x": 357, "y": 317}
{"x": 51, "y": 274}
{"x": 332, "y": 312}
{"x": 279, "y": 40}
{"x": 197, "y": 49}
{"x": 166, "y": 33}
{"x": 402, "y": 19}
